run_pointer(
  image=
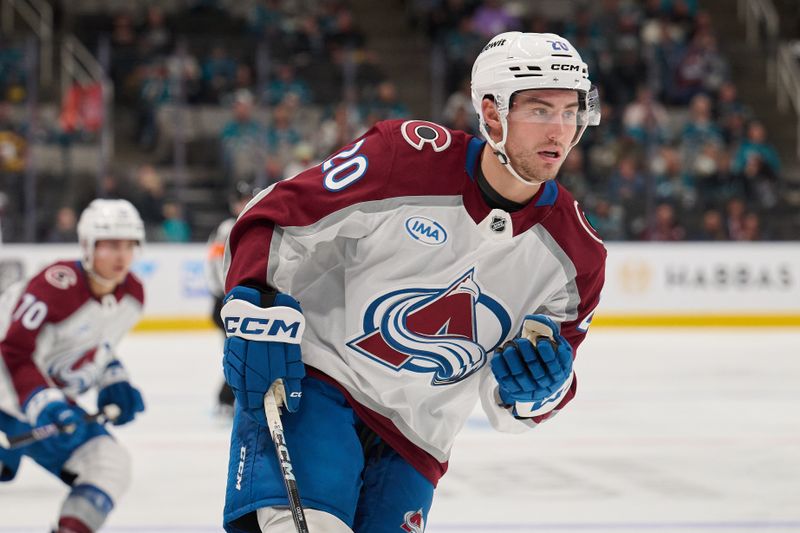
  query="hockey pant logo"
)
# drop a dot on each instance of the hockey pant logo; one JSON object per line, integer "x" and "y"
{"x": 413, "y": 522}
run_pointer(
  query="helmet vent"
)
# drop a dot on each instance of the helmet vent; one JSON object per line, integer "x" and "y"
{"x": 534, "y": 71}
{"x": 561, "y": 55}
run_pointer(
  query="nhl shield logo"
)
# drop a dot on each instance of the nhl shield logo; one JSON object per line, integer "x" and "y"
{"x": 498, "y": 224}
{"x": 413, "y": 522}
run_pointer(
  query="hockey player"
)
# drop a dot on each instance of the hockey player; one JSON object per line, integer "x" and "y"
{"x": 58, "y": 331}
{"x": 215, "y": 276}
{"x": 397, "y": 283}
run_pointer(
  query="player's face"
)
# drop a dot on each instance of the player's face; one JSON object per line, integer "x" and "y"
{"x": 541, "y": 126}
{"x": 113, "y": 258}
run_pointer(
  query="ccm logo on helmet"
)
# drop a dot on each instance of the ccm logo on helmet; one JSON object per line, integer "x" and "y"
{"x": 565, "y": 67}
{"x": 419, "y": 132}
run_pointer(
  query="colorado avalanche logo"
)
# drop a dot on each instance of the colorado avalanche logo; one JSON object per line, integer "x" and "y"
{"x": 418, "y": 133}
{"x": 434, "y": 330}
{"x": 413, "y": 522}
{"x": 75, "y": 373}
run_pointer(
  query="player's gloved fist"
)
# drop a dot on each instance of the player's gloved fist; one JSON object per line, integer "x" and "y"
{"x": 50, "y": 406}
{"x": 263, "y": 345}
{"x": 115, "y": 389}
{"x": 533, "y": 375}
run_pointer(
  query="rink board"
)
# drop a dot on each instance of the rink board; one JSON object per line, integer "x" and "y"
{"x": 647, "y": 284}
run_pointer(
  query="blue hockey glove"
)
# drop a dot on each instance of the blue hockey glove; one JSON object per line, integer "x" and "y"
{"x": 533, "y": 375}
{"x": 263, "y": 345}
{"x": 115, "y": 389}
{"x": 49, "y": 406}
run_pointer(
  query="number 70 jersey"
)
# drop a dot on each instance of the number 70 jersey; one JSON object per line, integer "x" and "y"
{"x": 409, "y": 280}
{"x": 55, "y": 333}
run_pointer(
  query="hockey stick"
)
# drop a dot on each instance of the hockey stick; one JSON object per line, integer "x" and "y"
{"x": 109, "y": 414}
{"x": 276, "y": 431}
{"x": 533, "y": 331}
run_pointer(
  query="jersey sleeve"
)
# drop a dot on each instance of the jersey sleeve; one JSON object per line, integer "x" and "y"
{"x": 290, "y": 219}
{"x": 572, "y": 306}
{"x": 36, "y": 307}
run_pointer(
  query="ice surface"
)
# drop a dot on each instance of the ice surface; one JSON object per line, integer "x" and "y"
{"x": 672, "y": 430}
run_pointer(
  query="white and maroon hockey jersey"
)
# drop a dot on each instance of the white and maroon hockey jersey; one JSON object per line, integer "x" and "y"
{"x": 55, "y": 333}
{"x": 408, "y": 280}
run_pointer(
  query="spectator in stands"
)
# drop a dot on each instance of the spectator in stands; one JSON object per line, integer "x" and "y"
{"x": 65, "y": 226}
{"x": 445, "y": 16}
{"x": 126, "y": 55}
{"x": 387, "y": 105}
{"x": 282, "y": 136}
{"x": 12, "y": 74}
{"x": 751, "y": 227}
{"x": 664, "y": 226}
{"x": 573, "y": 174}
{"x": 759, "y": 182}
{"x": 306, "y": 42}
{"x": 344, "y": 33}
{"x": 464, "y": 121}
{"x": 727, "y": 102}
{"x": 712, "y": 227}
{"x": 286, "y": 83}
{"x": 735, "y": 211}
{"x": 701, "y": 70}
{"x": 645, "y": 119}
{"x": 608, "y": 220}
{"x": 673, "y": 181}
{"x": 149, "y": 198}
{"x": 756, "y": 144}
{"x": 175, "y": 228}
{"x": 265, "y": 19}
{"x": 460, "y": 45}
{"x": 302, "y": 158}
{"x": 155, "y": 91}
{"x": 459, "y": 102}
{"x": 699, "y": 129}
{"x": 338, "y": 130}
{"x": 218, "y": 74}
{"x": 243, "y": 82}
{"x": 627, "y": 184}
{"x": 710, "y": 174}
{"x": 243, "y": 133}
{"x": 155, "y": 38}
{"x": 273, "y": 171}
{"x": 493, "y": 17}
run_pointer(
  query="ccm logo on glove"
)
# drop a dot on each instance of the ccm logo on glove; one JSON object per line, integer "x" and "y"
{"x": 273, "y": 324}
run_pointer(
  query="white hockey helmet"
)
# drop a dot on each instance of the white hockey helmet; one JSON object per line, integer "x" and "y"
{"x": 107, "y": 219}
{"x": 515, "y": 61}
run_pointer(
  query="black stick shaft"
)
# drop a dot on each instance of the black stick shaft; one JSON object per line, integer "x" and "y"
{"x": 48, "y": 430}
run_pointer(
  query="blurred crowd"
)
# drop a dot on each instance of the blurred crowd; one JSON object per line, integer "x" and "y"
{"x": 258, "y": 91}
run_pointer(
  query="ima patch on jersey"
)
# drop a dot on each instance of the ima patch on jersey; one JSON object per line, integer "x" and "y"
{"x": 444, "y": 331}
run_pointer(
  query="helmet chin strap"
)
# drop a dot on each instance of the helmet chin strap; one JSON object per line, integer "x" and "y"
{"x": 105, "y": 282}
{"x": 499, "y": 150}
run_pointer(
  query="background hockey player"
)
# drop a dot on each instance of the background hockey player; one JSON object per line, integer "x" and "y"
{"x": 393, "y": 286}
{"x": 215, "y": 276}
{"x": 58, "y": 331}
